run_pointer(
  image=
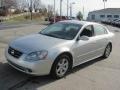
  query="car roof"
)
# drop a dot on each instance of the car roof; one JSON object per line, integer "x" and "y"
{"x": 78, "y": 22}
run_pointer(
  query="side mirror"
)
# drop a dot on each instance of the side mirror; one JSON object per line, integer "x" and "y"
{"x": 84, "y": 38}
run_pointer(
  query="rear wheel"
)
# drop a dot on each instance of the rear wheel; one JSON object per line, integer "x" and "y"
{"x": 107, "y": 51}
{"x": 60, "y": 66}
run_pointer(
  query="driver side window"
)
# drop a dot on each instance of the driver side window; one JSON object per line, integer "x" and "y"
{"x": 87, "y": 31}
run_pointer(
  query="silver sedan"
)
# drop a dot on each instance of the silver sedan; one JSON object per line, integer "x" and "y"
{"x": 58, "y": 48}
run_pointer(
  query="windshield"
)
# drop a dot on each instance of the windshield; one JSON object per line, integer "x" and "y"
{"x": 62, "y": 30}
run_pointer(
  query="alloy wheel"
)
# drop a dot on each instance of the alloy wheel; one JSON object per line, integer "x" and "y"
{"x": 62, "y": 67}
{"x": 107, "y": 51}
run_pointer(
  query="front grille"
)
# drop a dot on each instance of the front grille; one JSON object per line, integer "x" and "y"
{"x": 14, "y": 53}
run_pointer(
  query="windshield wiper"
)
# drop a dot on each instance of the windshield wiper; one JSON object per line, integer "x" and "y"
{"x": 54, "y": 35}
{"x": 51, "y": 35}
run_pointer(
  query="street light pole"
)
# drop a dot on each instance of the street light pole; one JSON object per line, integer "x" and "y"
{"x": 2, "y": 3}
{"x": 54, "y": 12}
{"x": 104, "y": 1}
{"x": 60, "y": 9}
{"x": 31, "y": 8}
{"x": 71, "y": 8}
{"x": 104, "y": 4}
{"x": 67, "y": 7}
{"x": 83, "y": 11}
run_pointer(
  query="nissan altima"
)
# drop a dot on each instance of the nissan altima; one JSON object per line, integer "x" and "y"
{"x": 59, "y": 47}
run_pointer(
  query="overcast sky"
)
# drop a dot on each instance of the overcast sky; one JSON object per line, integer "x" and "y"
{"x": 89, "y": 5}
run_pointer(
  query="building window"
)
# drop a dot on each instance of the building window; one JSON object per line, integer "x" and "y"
{"x": 116, "y": 16}
{"x": 102, "y": 16}
{"x": 93, "y": 17}
{"x": 109, "y": 16}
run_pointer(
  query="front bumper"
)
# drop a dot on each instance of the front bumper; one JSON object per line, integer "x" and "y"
{"x": 42, "y": 67}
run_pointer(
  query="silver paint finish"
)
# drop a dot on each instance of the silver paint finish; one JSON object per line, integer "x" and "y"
{"x": 81, "y": 51}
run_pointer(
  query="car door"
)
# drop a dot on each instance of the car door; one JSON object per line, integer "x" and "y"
{"x": 84, "y": 49}
{"x": 101, "y": 39}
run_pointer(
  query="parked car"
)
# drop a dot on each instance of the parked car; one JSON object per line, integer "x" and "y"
{"x": 103, "y": 21}
{"x": 113, "y": 22}
{"x": 106, "y": 21}
{"x": 58, "y": 48}
{"x": 117, "y": 23}
{"x": 73, "y": 18}
{"x": 46, "y": 19}
{"x": 57, "y": 19}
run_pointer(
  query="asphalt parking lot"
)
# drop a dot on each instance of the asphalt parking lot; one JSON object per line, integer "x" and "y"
{"x": 98, "y": 74}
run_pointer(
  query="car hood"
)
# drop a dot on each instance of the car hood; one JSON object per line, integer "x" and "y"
{"x": 36, "y": 42}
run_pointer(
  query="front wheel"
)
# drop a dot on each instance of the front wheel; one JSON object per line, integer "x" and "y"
{"x": 107, "y": 51}
{"x": 60, "y": 67}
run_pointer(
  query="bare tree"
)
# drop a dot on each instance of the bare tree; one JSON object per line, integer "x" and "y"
{"x": 23, "y": 4}
{"x": 36, "y": 4}
{"x": 9, "y": 3}
{"x": 50, "y": 10}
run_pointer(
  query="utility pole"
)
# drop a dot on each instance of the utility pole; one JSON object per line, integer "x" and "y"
{"x": 31, "y": 8}
{"x": 67, "y": 8}
{"x": 54, "y": 12}
{"x": 60, "y": 9}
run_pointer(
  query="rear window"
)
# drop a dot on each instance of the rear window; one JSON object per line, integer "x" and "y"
{"x": 99, "y": 30}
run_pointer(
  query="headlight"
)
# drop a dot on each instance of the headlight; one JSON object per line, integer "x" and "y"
{"x": 35, "y": 56}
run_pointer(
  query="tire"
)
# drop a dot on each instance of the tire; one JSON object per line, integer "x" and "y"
{"x": 60, "y": 67}
{"x": 107, "y": 51}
